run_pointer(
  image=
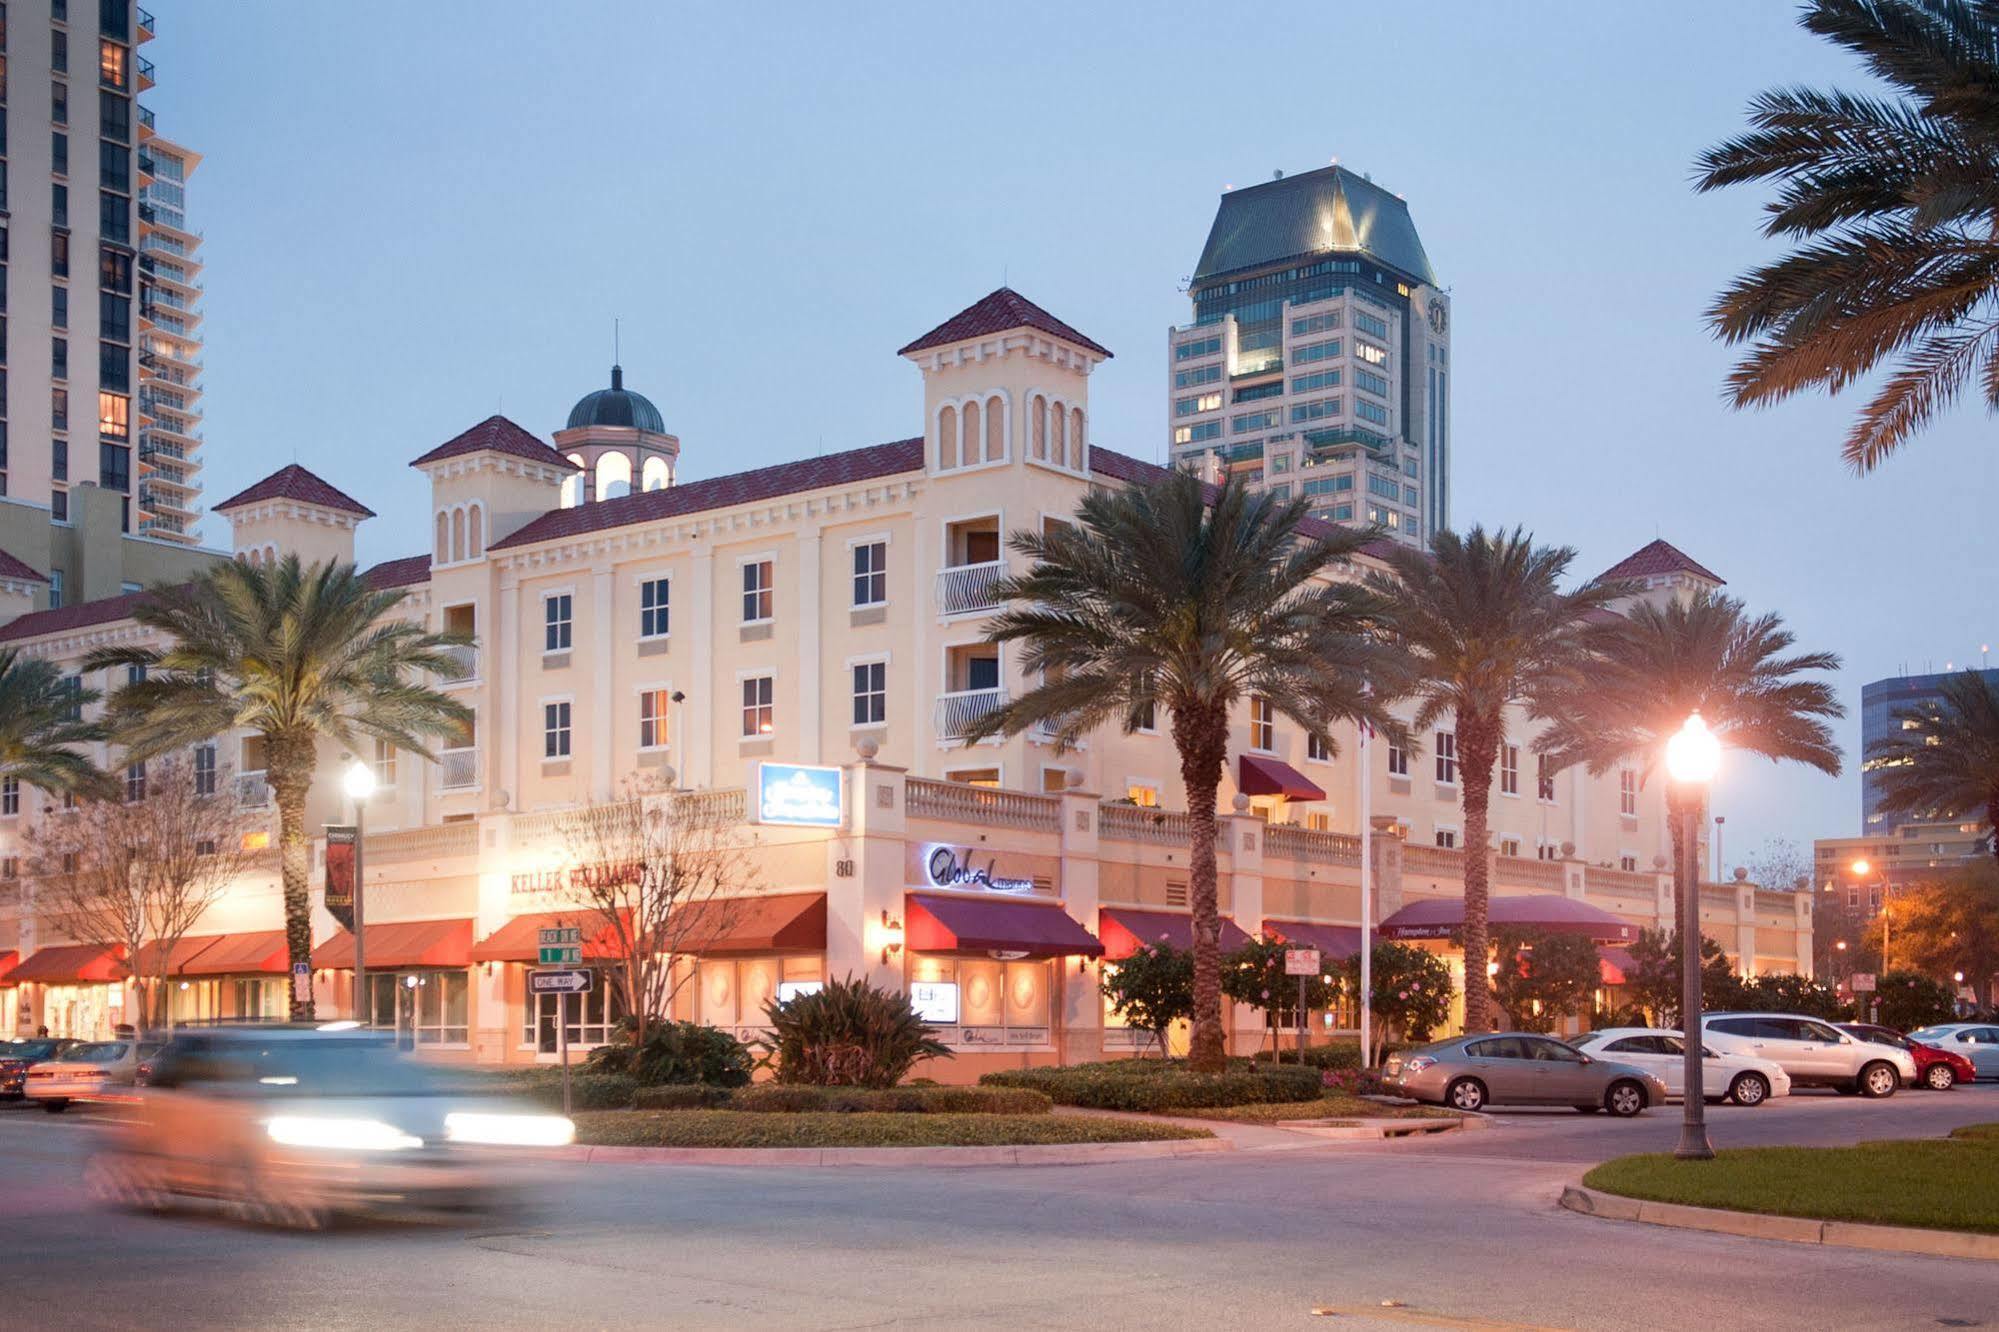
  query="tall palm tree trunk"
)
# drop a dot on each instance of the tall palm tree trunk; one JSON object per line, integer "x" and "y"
{"x": 1202, "y": 738}
{"x": 291, "y": 767}
{"x": 1478, "y": 750}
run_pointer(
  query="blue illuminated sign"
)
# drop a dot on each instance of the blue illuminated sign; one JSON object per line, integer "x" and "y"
{"x": 802, "y": 796}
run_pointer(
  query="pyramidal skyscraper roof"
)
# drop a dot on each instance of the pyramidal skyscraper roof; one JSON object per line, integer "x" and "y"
{"x": 1330, "y": 210}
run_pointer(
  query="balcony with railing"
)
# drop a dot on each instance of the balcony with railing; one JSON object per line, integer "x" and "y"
{"x": 958, "y": 711}
{"x": 458, "y": 769}
{"x": 146, "y": 28}
{"x": 252, "y": 791}
{"x": 967, "y": 589}
{"x": 147, "y": 118}
{"x": 960, "y": 802}
{"x": 467, "y": 657}
{"x": 146, "y": 79}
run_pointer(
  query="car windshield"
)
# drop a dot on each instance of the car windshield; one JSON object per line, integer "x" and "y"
{"x": 27, "y": 1049}
{"x": 105, "y": 1052}
{"x": 310, "y": 1067}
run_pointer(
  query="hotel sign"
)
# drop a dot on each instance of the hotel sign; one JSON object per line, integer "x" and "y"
{"x": 799, "y": 796}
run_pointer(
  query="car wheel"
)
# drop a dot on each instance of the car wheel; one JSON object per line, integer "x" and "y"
{"x": 55, "y": 1107}
{"x": 1466, "y": 1094}
{"x": 1749, "y": 1089}
{"x": 1877, "y": 1080}
{"x": 1940, "y": 1077}
{"x": 1624, "y": 1099}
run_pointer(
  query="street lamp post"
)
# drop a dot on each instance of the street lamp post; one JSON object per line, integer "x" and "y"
{"x": 1692, "y": 756}
{"x": 359, "y": 783}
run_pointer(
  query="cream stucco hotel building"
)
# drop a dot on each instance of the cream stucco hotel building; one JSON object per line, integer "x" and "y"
{"x": 825, "y": 614}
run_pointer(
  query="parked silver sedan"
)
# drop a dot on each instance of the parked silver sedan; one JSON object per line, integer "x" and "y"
{"x": 1472, "y": 1072}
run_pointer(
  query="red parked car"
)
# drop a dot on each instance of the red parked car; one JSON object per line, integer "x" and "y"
{"x": 1936, "y": 1068}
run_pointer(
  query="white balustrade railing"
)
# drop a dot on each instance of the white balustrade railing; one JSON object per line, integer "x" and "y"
{"x": 957, "y": 712}
{"x": 965, "y": 588}
{"x": 965, "y": 803}
{"x": 458, "y": 768}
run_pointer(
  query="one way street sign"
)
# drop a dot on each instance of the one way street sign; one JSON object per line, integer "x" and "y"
{"x": 563, "y": 980}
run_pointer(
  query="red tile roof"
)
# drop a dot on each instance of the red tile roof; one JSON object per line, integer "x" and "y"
{"x": 67, "y": 619}
{"x": 997, "y": 313}
{"x": 1658, "y": 558}
{"x": 296, "y": 483}
{"x": 834, "y": 469}
{"x": 499, "y": 435}
{"x": 19, "y": 571}
{"x": 405, "y": 572}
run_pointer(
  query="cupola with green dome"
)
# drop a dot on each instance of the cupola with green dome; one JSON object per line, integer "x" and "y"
{"x": 619, "y": 440}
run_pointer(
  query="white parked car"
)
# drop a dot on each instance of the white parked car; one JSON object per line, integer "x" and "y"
{"x": 90, "y": 1072}
{"x": 1814, "y": 1053}
{"x": 1743, "y": 1079}
{"x": 1976, "y": 1041}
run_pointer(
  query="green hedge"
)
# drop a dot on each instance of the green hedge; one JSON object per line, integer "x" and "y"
{"x": 588, "y": 1091}
{"x": 680, "y": 1096}
{"x": 1341, "y": 1054}
{"x": 1157, "y": 1086}
{"x": 775, "y": 1098}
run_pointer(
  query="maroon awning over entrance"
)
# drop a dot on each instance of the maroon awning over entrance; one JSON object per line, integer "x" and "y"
{"x": 1336, "y": 942}
{"x": 940, "y": 923}
{"x": 1441, "y": 917}
{"x": 1258, "y": 775}
{"x": 1123, "y": 929}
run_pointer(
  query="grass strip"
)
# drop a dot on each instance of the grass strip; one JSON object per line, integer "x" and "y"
{"x": 728, "y": 1128}
{"x": 1937, "y": 1184}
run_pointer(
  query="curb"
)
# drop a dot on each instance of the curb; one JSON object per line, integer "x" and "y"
{"x": 1347, "y": 1130}
{"x": 1044, "y": 1154}
{"x": 1793, "y": 1229}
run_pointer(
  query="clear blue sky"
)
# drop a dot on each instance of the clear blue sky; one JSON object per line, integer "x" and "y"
{"x": 419, "y": 214}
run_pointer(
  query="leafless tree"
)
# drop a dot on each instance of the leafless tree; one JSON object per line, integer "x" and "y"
{"x": 653, "y": 874}
{"x": 137, "y": 873}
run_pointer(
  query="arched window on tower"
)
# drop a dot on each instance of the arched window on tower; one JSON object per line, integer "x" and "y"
{"x": 572, "y": 485}
{"x": 969, "y": 454}
{"x": 947, "y": 439}
{"x": 1076, "y": 438}
{"x": 475, "y": 531}
{"x": 656, "y": 475}
{"x": 458, "y": 534}
{"x": 995, "y": 429}
{"x": 443, "y": 538}
{"x": 1039, "y": 409}
{"x": 614, "y": 475}
{"x": 1058, "y": 436}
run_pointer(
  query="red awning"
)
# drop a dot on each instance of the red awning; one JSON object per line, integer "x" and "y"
{"x": 1615, "y": 965}
{"x": 1337, "y": 942}
{"x": 1440, "y": 918}
{"x": 1258, "y": 775}
{"x": 257, "y": 953}
{"x": 937, "y": 923}
{"x": 1123, "y": 929}
{"x": 767, "y": 923}
{"x": 71, "y": 964}
{"x": 184, "y": 951}
{"x": 413, "y": 943}
{"x": 9, "y": 959}
{"x": 519, "y": 940}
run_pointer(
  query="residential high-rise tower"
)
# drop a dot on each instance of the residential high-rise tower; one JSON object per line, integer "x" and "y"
{"x": 1318, "y": 360}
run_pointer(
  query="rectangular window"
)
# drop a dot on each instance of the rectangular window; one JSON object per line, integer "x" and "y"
{"x": 59, "y": 161}
{"x": 59, "y": 408}
{"x": 111, "y": 64}
{"x": 556, "y": 617}
{"x": 72, "y": 690}
{"x": 135, "y": 783}
{"x": 757, "y": 578}
{"x": 59, "y": 205}
{"x": 114, "y": 270}
{"x": 1627, "y": 793}
{"x": 58, "y": 510}
{"x": 1188, "y": 351}
{"x": 870, "y": 693}
{"x": 1318, "y": 379}
{"x": 1398, "y": 760}
{"x": 1262, "y": 723}
{"x": 1200, "y": 374}
{"x": 204, "y": 770}
{"x": 1447, "y": 758}
{"x": 654, "y": 606}
{"x": 59, "y": 357}
{"x": 1199, "y": 433}
{"x": 1368, "y": 411}
{"x": 1254, "y": 393}
{"x": 871, "y": 573}
{"x": 114, "y": 116}
{"x": 59, "y": 102}
{"x": 1148, "y": 717}
{"x": 1447, "y": 837}
{"x": 1629, "y": 864}
{"x": 114, "y": 467}
{"x": 1509, "y": 769}
{"x": 1316, "y": 410}
{"x": 114, "y": 167}
{"x": 10, "y": 796}
{"x": 1317, "y": 323}
{"x": 555, "y": 730}
{"x": 1370, "y": 325}
{"x": 1318, "y": 750}
{"x": 385, "y": 765}
{"x": 59, "y": 459}
{"x": 1373, "y": 355}
{"x": 1326, "y": 485}
{"x": 1544, "y": 778}
{"x": 114, "y": 316}
{"x": 1509, "y": 846}
{"x": 1315, "y": 351}
{"x": 114, "y": 217}
{"x": 1385, "y": 486}
{"x": 653, "y": 705}
{"x": 1249, "y": 421}
{"x": 759, "y": 715}
{"x": 59, "y": 307}
{"x": 1370, "y": 381}
{"x": 114, "y": 367}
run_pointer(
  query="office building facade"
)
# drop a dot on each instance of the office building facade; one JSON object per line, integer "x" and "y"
{"x": 1881, "y": 702}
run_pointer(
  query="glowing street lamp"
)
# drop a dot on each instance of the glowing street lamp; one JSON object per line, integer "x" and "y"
{"x": 1693, "y": 755}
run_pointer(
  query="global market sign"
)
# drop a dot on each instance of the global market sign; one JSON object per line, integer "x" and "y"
{"x": 799, "y": 796}
{"x": 953, "y": 867}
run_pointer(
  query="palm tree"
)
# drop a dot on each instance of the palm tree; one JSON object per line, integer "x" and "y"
{"x": 1943, "y": 761}
{"x": 1657, "y": 664}
{"x": 1486, "y": 627}
{"x": 41, "y": 719}
{"x": 1178, "y": 595}
{"x": 298, "y": 654}
{"x": 1892, "y": 200}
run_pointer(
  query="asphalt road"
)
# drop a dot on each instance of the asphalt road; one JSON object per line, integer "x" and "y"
{"x": 1458, "y": 1231}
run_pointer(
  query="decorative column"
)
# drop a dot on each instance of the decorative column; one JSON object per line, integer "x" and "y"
{"x": 1241, "y": 841}
{"x": 605, "y": 704}
{"x": 701, "y": 718}
{"x": 866, "y": 877}
{"x": 1386, "y": 847}
{"x": 498, "y": 736}
{"x": 1081, "y": 993}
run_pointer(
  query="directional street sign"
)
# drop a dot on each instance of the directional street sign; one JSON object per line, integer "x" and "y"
{"x": 560, "y": 957}
{"x": 561, "y": 946}
{"x": 578, "y": 980}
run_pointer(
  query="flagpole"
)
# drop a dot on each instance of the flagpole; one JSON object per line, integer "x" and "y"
{"x": 1366, "y": 900}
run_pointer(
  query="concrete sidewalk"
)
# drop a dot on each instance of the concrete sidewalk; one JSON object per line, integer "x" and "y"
{"x": 1291, "y": 1137}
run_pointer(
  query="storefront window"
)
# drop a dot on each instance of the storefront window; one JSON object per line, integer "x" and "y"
{"x": 997, "y": 1003}
{"x": 424, "y": 1007}
{"x": 83, "y": 1012}
{"x": 733, "y": 991}
{"x": 592, "y": 1017}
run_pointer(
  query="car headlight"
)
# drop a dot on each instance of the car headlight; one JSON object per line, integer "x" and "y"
{"x": 493, "y": 1130}
{"x": 1417, "y": 1063}
{"x": 354, "y": 1135}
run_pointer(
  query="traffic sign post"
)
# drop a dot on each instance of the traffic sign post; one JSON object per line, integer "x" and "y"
{"x": 561, "y": 946}
{"x": 562, "y": 982}
{"x": 1300, "y": 962}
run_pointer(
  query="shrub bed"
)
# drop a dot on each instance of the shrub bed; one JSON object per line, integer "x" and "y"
{"x": 1156, "y": 1086}
{"x": 681, "y": 1096}
{"x": 587, "y": 1091}
{"x": 1341, "y": 1054}
{"x": 723, "y": 1128}
{"x": 778, "y": 1098}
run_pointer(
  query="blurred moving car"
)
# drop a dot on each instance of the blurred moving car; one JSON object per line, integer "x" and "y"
{"x": 1511, "y": 1068}
{"x": 1974, "y": 1041}
{"x": 1742, "y": 1079}
{"x": 295, "y": 1125}
{"x": 1936, "y": 1068}
{"x": 91, "y": 1071}
{"x": 1814, "y": 1053}
{"x": 16, "y": 1057}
